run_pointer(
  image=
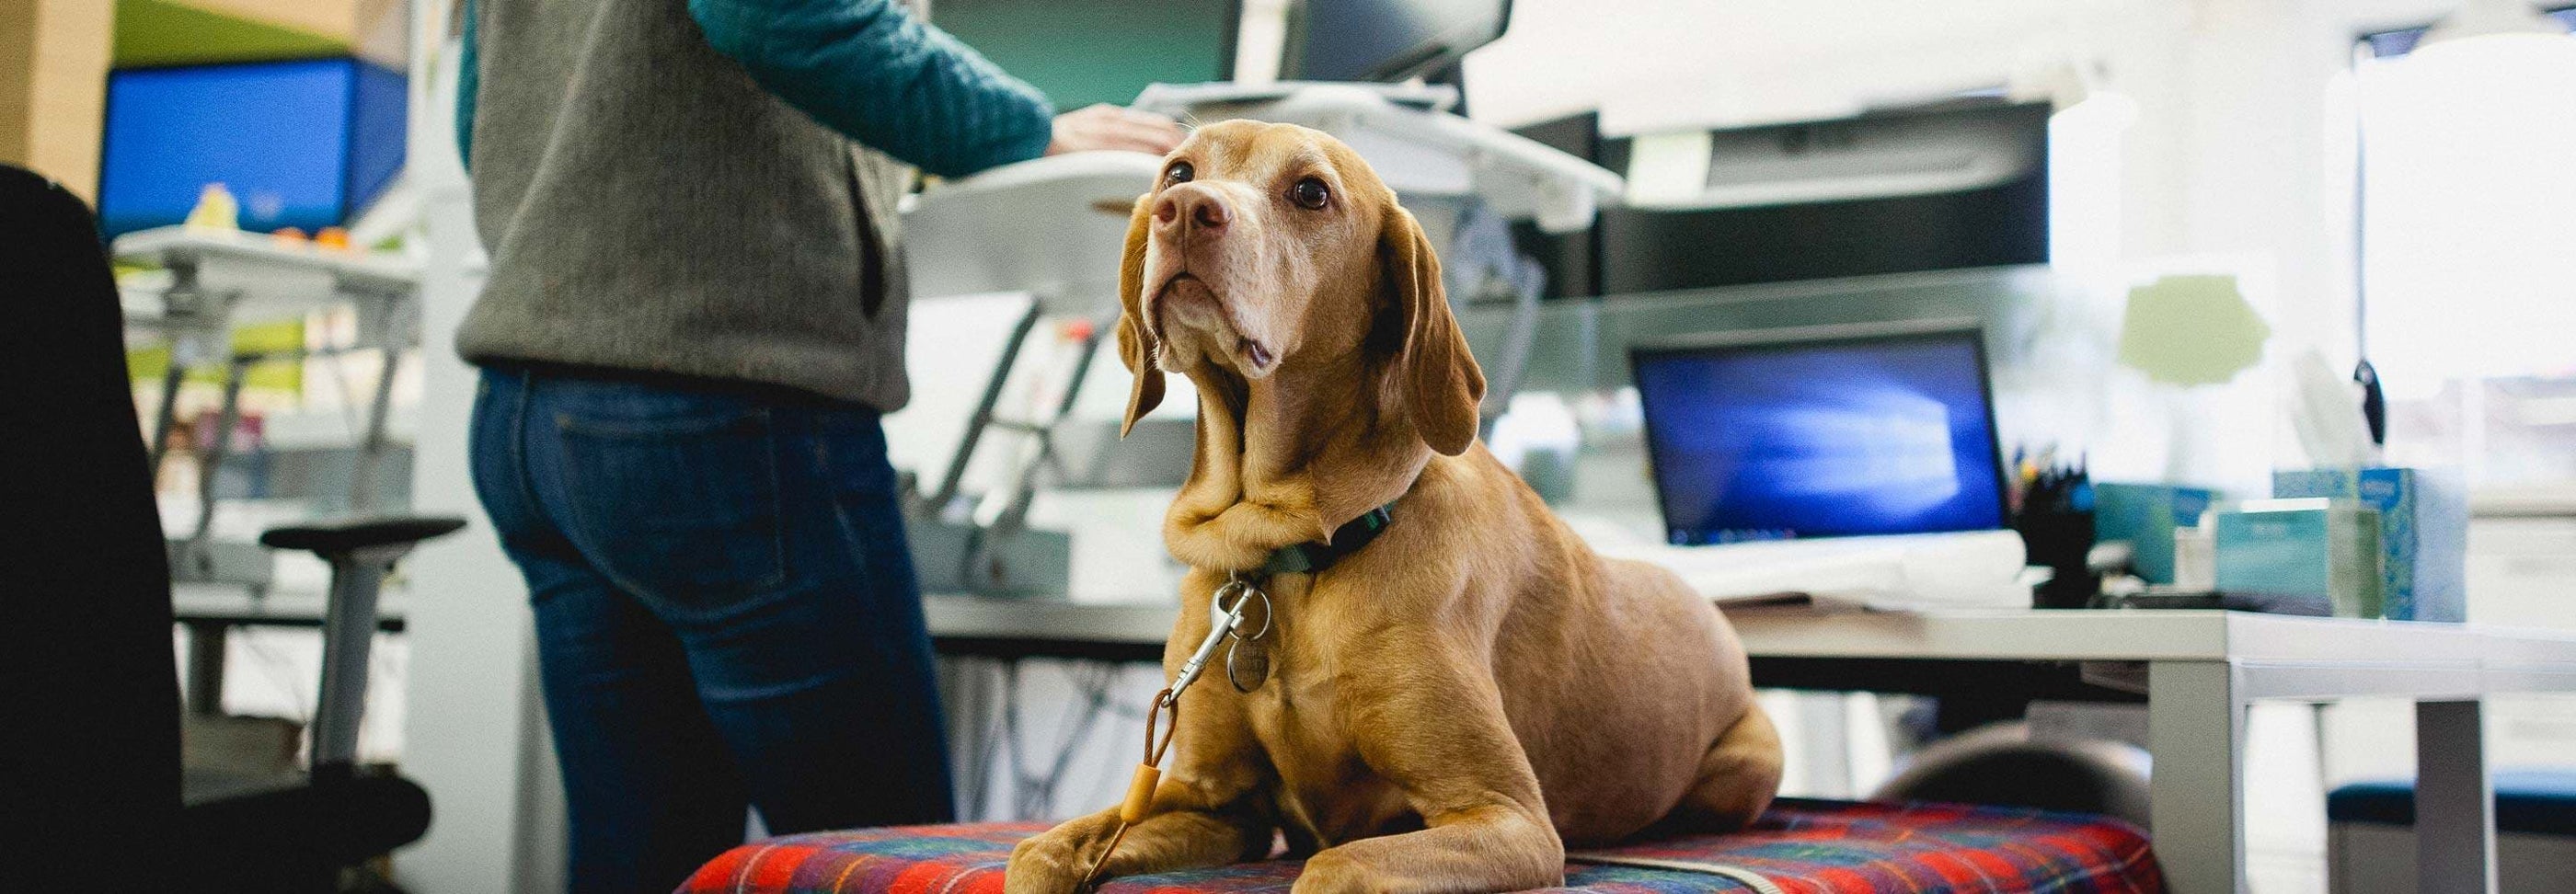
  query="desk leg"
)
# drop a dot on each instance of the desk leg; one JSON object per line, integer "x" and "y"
{"x": 2455, "y": 846}
{"x": 167, "y": 416}
{"x": 206, "y": 669}
{"x": 966, "y": 688}
{"x": 2196, "y": 730}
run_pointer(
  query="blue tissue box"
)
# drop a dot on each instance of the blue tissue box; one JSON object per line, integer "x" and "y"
{"x": 2146, "y": 516}
{"x": 2423, "y": 533}
{"x": 2326, "y": 550}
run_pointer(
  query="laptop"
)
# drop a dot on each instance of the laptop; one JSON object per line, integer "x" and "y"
{"x": 1881, "y": 429}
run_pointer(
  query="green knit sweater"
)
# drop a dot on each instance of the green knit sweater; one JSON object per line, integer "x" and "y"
{"x": 867, "y": 69}
{"x": 707, "y": 188}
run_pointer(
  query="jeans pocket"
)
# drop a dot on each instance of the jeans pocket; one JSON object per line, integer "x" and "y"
{"x": 682, "y": 510}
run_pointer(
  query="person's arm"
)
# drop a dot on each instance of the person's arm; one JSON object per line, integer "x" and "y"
{"x": 469, "y": 78}
{"x": 870, "y": 70}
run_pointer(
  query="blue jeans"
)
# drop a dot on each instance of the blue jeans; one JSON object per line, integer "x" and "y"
{"x": 726, "y": 614}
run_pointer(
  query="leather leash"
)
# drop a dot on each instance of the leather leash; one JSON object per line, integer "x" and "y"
{"x": 1225, "y": 621}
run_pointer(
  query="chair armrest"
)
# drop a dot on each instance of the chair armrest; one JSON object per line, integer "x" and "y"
{"x": 343, "y": 536}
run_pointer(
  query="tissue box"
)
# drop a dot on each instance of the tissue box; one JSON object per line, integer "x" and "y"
{"x": 2146, "y": 516}
{"x": 2322, "y": 549}
{"x": 2423, "y": 531}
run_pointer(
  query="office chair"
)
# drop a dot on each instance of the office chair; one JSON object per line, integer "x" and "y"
{"x": 2001, "y": 765}
{"x": 92, "y": 691}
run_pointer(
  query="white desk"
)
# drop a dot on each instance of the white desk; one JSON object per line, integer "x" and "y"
{"x": 2197, "y": 669}
{"x": 214, "y": 278}
{"x": 210, "y": 611}
{"x": 194, "y": 602}
{"x": 265, "y": 278}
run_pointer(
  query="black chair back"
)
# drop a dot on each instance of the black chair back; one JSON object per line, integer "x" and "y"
{"x": 91, "y": 689}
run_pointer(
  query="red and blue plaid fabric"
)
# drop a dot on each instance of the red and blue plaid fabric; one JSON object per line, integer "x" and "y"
{"x": 1804, "y": 847}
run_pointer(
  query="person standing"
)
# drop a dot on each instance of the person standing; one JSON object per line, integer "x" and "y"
{"x": 693, "y": 321}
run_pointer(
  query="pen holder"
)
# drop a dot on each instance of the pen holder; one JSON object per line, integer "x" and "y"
{"x": 2060, "y": 540}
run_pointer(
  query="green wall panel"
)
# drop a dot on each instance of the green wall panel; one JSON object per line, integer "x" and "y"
{"x": 165, "y": 32}
{"x": 1090, "y": 51}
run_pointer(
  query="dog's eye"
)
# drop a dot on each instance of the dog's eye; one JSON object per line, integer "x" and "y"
{"x": 1179, "y": 173}
{"x": 1310, "y": 193}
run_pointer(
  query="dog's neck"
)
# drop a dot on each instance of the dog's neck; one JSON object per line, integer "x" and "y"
{"x": 1287, "y": 459}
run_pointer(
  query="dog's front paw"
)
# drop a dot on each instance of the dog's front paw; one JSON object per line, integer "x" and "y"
{"x": 1054, "y": 861}
{"x": 1434, "y": 861}
{"x": 1335, "y": 871}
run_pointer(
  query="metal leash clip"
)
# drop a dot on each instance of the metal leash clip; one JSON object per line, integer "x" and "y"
{"x": 1223, "y": 620}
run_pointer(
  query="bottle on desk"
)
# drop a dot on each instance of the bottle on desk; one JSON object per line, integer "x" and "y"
{"x": 216, "y": 209}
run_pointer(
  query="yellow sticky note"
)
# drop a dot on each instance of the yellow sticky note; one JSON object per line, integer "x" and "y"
{"x": 2191, "y": 330}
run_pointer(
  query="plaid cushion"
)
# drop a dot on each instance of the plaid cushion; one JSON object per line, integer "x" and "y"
{"x": 1804, "y": 847}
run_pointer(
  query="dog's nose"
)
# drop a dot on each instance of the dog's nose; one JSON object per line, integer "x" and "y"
{"x": 1189, "y": 206}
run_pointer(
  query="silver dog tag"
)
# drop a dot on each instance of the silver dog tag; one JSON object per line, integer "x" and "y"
{"x": 1247, "y": 664}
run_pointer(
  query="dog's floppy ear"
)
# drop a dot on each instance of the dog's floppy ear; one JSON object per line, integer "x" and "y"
{"x": 1135, "y": 341}
{"x": 1435, "y": 377}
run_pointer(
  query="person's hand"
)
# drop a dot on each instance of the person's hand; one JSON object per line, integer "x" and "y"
{"x": 1105, "y": 126}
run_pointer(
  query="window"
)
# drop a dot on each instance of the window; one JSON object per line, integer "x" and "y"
{"x": 2468, "y": 249}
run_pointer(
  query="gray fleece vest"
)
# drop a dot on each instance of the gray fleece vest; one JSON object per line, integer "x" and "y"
{"x": 648, "y": 207}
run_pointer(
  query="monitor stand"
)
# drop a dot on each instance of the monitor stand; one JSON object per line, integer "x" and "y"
{"x": 1418, "y": 147}
{"x": 1179, "y": 99}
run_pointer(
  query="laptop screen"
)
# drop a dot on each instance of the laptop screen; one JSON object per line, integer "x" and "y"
{"x": 1885, "y": 432}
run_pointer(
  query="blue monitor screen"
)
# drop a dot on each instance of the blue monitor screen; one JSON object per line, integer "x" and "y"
{"x": 298, "y": 143}
{"x": 1876, "y": 435}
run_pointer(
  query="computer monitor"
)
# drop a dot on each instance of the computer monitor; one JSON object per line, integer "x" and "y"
{"x": 304, "y": 143}
{"x": 1385, "y": 40}
{"x": 1822, "y": 432}
{"x": 1982, "y": 221}
{"x": 1124, "y": 45}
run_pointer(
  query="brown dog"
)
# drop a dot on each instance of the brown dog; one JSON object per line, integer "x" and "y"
{"x": 1451, "y": 703}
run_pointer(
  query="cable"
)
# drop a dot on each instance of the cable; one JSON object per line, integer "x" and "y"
{"x": 1036, "y": 778}
{"x": 1095, "y": 697}
{"x": 272, "y": 665}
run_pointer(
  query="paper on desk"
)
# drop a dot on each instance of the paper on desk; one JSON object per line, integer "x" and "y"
{"x": 1975, "y": 569}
